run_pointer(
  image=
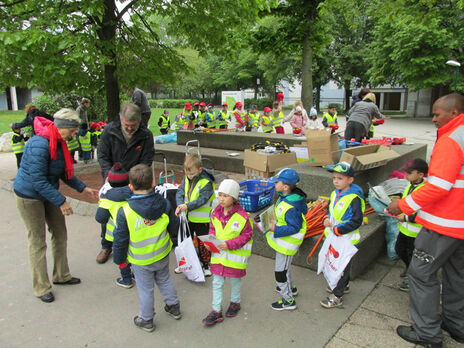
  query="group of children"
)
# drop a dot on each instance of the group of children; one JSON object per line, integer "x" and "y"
{"x": 140, "y": 222}
{"x": 86, "y": 141}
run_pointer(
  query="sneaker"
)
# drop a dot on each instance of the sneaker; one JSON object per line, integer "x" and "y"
{"x": 213, "y": 318}
{"x": 207, "y": 272}
{"x": 120, "y": 282}
{"x": 347, "y": 290}
{"x": 332, "y": 301}
{"x": 294, "y": 291}
{"x": 173, "y": 311}
{"x": 284, "y": 305}
{"x": 145, "y": 325}
{"x": 177, "y": 270}
{"x": 233, "y": 309}
{"x": 404, "y": 286}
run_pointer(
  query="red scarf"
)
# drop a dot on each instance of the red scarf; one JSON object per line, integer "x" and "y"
{"x": 55, "y": 137}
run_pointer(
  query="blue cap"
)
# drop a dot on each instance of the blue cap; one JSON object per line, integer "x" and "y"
{"x": 343, "y": 168}
{"x": 287, "y": 176}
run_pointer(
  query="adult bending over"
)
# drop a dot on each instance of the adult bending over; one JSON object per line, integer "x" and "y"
{"x": 45, "y": 161}
{"x": 440, "y": 243}
{"x": 124, "y": 140}
{"x": 360, "y": 118}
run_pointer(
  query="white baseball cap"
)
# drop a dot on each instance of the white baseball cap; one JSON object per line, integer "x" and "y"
{"x": 230, "y": 187}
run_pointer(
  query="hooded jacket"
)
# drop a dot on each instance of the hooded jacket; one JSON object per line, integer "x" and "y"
{"x": 205, "y": 192}
{"x": 149, "y": 206}
{"x": 293, "y": 216}
{"x": 113, "y": 148}
{"x": 38, "y": 176}
{"x": 354, "y": 214}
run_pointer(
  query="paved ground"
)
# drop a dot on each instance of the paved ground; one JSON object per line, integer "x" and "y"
{"x": 97, "y": 313}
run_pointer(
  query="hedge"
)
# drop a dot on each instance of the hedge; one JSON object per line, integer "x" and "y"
{"x": 261, "y": 103}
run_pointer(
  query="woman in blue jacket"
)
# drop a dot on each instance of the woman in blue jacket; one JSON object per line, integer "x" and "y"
{"x": 45, "y": 161}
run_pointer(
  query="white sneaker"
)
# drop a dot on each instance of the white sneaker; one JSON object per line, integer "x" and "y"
{"x": 207, "y": 273}
{"x": 177, "y": 270}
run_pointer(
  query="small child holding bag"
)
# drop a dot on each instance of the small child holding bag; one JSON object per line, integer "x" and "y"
{"x": 231, "y": 223}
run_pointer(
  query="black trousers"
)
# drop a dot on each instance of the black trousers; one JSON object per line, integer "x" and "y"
{"x": 404, "y": 247}
{"x": 145, "y": 118}
{"x": 18, "y": 159}
{"x": 355, "y": 130}
{"x": 339, "y": 290}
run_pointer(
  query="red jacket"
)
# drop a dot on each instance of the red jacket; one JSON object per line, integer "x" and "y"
{"x": 440, "y": 201}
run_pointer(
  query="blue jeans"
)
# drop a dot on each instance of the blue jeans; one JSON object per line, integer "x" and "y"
{"x": 218, "y": 288}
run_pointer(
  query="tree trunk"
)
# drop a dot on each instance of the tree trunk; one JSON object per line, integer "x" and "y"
{"x": 348, "y": 91}
{"x": 106, "y": 34}
{"x": 317, "y": 103}
{"x": 306, "y": 73}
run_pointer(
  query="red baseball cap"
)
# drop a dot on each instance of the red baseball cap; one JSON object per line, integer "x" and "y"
{"x": 196, "y": 104}
{"x": 267, "y": 109}
{"x": 202, "y": 104}
{"x": 188, "y": 106}
{"x": 238, "y": 104}
{"x": 224, "y": 104}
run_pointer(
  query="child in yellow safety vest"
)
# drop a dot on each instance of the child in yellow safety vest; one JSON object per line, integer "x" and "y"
{"x": 85, "y": 142}
{"x": 253, "y": 119}
{"x": 143, "y": 227}
{"x": 18, "y": 141}
{"x": 113, "y": 195}
{"x": 346, "y": 212}
{"x": 223, "y": 117}
{"x": 329, "y": 119}
{"x": 195, "y": 196}
{"x": 286, "y": 234}
{"x": 278, "y": 117}
{"x": 164, "y": 122}
{"x": 404, "y": 247}
{"x": 231, "y": 224}
{"x": 266, "y": 120}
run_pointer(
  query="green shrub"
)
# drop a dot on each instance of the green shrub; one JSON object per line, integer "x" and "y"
{"x": 51, "y": 103}
{"x": 261, "y": 103}
{"x": 169, "y": 103}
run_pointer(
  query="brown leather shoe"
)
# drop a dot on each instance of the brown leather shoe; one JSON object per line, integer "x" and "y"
{"x": 103, "y": 255}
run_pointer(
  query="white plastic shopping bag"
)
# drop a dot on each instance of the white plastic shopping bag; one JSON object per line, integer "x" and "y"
{"x": 334, "y": 255}
{"x": 187, "y": 258}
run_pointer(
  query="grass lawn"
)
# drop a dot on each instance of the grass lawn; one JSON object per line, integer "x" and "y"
{"x": 7, "y": 117}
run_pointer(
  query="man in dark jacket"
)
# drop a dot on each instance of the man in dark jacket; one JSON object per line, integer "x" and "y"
{"x": 126, "y": 141}
{"x": 139, "y": 98}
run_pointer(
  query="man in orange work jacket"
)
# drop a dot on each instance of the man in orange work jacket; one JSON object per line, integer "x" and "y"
{"x": 440, "y": 244}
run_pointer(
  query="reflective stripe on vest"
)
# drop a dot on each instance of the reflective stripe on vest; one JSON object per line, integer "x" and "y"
{"x": 17, "y": 147}
{"x": 113, "y": 208}
{"x": 339, "y": 208}
{"x": 148, "y": 239}
{"x": 237, "y": 258}
{"x": 410, "y": 229}
{"x": 287, "y": 245}
{"x": 254, "y": 119}
{"x": 203, "y": 213}
{"x": 242, "y": 117}
{"x": 212, "y": 120}
{"x": 330, "y": 119}
{"x": 277, "y": 120}
{"x": 84, "y": 140}
{"x": 267, "y": 124}
{"x": 201, "y": 116}
{"x": 72, "y": 144}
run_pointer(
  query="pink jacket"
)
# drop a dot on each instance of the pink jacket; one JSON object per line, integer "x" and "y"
{"x": 235, "y": 243}
{"x": 298, "y": 121}
{"x": 241, "y": 119}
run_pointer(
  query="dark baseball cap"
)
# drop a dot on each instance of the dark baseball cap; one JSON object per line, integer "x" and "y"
{"x": 417, "y": 164}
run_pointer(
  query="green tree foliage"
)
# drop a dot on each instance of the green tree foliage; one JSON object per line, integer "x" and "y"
{"x": 92, "y": 45}
{"x": 412, "y": 40}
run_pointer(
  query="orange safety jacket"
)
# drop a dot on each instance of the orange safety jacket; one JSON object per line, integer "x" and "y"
{"x": 440, "y": 201}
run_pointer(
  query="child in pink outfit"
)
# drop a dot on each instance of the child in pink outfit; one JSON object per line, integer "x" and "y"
{"x": 298, "y": 121}
{"x": 232, "y": 224}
